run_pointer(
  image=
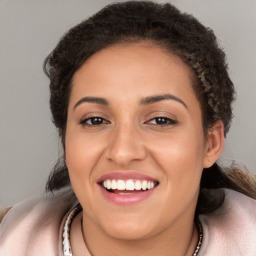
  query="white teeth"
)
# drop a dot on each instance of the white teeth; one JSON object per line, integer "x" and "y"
{"x": 144, "y": 185}
{"x": 138, "y": 185}
{"x": 120, "y": 185}
{"x": 128, "y": 184}
{"x": 109, "y": 184}
{"x": 114, "y": 184}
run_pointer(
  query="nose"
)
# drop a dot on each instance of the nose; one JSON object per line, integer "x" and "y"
{"x": 125, "y": 146}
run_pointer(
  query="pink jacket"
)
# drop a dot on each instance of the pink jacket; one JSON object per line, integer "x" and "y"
{"x": 35, "y": 227}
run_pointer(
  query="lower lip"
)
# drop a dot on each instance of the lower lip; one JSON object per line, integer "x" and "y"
{"x": 127, "y": 199}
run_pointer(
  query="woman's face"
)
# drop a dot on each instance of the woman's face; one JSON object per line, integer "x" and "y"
{"x": 135, "y": 123}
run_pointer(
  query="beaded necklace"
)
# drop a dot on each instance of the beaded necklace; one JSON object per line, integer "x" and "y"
{"x": 66, "y": 233}
{"x": 66, "y": 230}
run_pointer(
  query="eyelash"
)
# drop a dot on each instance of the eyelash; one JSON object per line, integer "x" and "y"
{"x": 159, "y": 121}
{"x": 84, "y": 122}
{"x": 163, "y": 121}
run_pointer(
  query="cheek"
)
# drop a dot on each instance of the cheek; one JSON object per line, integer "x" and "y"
{"x": 76, "y": 156}
{"x": 81, "y": 158}
{"x": 182, "y": 158}
{"x": 81, "y": 151}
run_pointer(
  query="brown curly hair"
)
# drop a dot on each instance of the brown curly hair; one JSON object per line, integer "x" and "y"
{"x": 165, "y": 26}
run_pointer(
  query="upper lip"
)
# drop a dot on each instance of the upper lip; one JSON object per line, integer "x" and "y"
{"x": 125, "y": 175}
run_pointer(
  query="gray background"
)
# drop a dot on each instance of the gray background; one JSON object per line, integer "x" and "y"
{"x": 29, "y": 29}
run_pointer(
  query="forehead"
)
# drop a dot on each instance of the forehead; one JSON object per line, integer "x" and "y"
{"x": 134, "y": 69}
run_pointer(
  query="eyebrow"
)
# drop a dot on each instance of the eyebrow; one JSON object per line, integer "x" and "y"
{"x": 97, "y": 100}
{"x": 157, "y": 98}
{"x": 145, "y": 101}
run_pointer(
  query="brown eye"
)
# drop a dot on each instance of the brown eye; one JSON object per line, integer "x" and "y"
{"x": 161, "y": 120}
{"x": 93, "y": 121}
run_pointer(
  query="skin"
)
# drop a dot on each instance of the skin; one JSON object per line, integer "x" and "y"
{"x": 174, "y": 153}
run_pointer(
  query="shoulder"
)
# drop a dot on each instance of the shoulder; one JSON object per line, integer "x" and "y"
{"x": 35, "y": 224}
{"x": 230, "y": 230}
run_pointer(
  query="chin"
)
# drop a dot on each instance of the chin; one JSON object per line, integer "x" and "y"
{"x": 128, "y": 228}
{"x": 128, "y": 233}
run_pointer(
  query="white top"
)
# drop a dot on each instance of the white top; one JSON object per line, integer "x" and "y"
{"x": 35, "y": 227}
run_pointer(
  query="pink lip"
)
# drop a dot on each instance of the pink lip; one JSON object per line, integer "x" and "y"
{"x": 125, "y": 175}
{"x": 132, "y": 197}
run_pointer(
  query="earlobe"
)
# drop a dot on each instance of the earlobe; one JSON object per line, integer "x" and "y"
{"x": 215, "y": 143}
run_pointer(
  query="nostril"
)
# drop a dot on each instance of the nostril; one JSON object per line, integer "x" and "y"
{"x": 125, "y": 148}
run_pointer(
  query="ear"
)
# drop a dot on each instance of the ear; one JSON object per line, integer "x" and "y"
{"x": 214, "y": 144}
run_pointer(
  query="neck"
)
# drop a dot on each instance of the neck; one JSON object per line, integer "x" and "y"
{"x": 180, "y": 240}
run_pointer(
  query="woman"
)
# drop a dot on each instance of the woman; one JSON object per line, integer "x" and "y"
{"x": 141, "y": 98}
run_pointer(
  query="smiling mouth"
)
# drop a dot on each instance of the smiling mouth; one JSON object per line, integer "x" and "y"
{"x": 129, "y": 186}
